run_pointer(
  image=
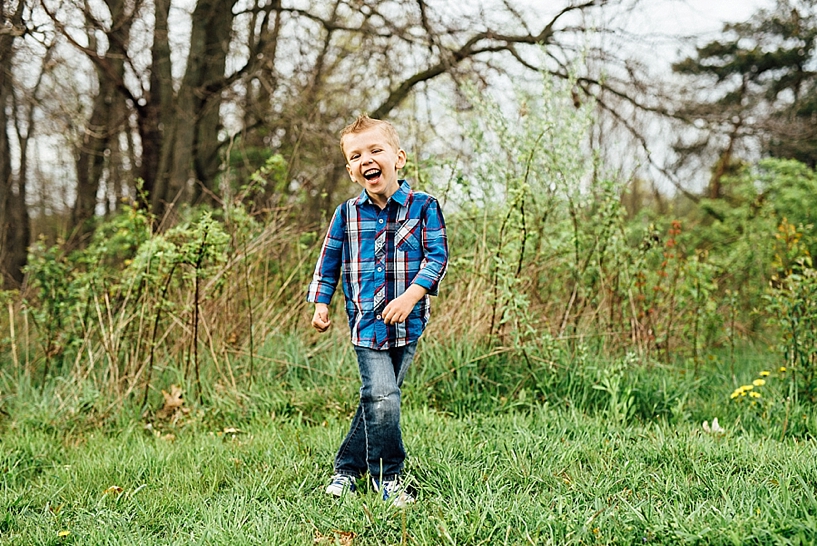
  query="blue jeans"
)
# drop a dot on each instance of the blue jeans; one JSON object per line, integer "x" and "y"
{"x": 374, "y": 442}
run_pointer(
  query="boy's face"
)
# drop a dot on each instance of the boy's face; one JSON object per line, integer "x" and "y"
{"x": 373, "y": 162}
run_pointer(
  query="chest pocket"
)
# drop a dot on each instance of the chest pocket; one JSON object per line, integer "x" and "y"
{"x": 406, "y": 238}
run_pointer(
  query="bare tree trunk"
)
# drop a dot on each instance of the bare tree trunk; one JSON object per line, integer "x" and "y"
{"x": 19, "y": 208}
{"x": 195, "y": 151}
{"x": 218, "y": 34}
{"x": 9, "y": 224}
{"x": 91, "y": 161}
{"x": 156, "y": 127}
{"x": 104, "y": 123}
{"x": 14, "y": 221}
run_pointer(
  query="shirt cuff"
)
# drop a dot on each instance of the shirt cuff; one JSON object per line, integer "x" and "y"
{"x": 429, "y": 284}
{"x": 320, "y": 299}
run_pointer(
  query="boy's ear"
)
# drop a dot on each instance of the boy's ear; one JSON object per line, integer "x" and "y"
{"x": 401, "y": 159}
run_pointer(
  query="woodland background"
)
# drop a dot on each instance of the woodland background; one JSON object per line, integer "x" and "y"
{"x": 624, "y": 349}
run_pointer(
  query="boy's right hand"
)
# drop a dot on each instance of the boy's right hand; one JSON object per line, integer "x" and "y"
{"x": 320, "y": 320}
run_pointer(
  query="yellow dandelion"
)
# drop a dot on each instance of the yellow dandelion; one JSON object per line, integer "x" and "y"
{"x": 754, "y": 394}
{"x": 782, "y": 369}
{"x": 759, "y": 382}
{"x": 63, "y": 533}
{"x": 735, "y": 394}
{"x": 747, "y": 387}
{"x": 764, "y": 373}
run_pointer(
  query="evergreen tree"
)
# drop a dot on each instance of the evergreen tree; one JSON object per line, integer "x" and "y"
{"x": 764, "y": 76}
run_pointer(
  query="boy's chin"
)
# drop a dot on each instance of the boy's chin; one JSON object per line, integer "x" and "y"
{"x": 379, "y": 185}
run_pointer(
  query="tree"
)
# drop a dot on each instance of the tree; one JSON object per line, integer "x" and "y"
{"x": 391, "y": 61}
{"x": 14, "y": 221}
{"x": 765, "y": 87}
{"x": 264, "y": 78}
{"x": 105, "y": 122}
{"x": 297, "y": 73}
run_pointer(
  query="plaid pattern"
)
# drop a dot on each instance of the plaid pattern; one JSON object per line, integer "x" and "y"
{"x": 378, "y": 254}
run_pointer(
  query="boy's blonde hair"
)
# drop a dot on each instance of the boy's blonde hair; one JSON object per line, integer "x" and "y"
{"x": 364, "y": 123}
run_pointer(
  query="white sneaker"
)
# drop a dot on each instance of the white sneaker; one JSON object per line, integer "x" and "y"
{"x": 341, "y": 483}
{"x": 394, "y": 491}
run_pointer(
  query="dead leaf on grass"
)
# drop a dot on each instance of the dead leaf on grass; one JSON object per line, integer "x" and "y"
{"x": 113, "y": 490}
{"x": 173, "y": 399}
{"x": 344, "y": 538}
{"x": 174, "y": 403}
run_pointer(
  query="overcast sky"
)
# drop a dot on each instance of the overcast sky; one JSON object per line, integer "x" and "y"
{"x": 696, "y": 16}
{"x": 683, "y": 18}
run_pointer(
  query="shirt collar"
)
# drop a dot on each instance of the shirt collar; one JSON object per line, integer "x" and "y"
{"x": 400, "y": 196}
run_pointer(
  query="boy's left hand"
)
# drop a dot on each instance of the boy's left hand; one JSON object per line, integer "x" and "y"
{"x": 399, "y": 308}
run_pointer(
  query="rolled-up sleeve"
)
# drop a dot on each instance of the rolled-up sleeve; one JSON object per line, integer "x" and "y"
{"x": 435, "y": 249}
{"x": 328, "y": 269}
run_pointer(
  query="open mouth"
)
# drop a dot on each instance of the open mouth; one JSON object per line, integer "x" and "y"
{"x": 371, "y": 174}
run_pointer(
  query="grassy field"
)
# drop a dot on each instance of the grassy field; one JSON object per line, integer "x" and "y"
{"x": 564, "y": 449}
{"x": 538, "y": 476}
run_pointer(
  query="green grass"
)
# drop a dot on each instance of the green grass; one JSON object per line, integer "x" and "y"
{"x": 563, "y": 450}
{"x": 541, "y": 476}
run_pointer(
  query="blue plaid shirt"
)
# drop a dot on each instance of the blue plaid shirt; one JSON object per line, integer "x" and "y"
{"x": 378, "y": 254}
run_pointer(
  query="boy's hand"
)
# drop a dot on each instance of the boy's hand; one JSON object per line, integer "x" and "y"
{"x": 399, "y": 308}
{"x": 320, "y": 320}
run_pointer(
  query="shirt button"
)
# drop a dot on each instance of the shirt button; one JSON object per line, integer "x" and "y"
{"x": 379, "y": 317}
{"x": 379, "y": 269}
{"x": 380, "y": 221}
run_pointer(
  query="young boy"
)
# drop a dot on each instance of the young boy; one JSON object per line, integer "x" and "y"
{"x": 388, "y": 246}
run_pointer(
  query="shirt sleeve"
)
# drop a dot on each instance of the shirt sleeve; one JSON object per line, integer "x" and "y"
{"x": 327, "y": 271}
{"x": 435, "y": 248}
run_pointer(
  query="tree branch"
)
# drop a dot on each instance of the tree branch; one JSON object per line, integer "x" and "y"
{"x": 101, "y": 62}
